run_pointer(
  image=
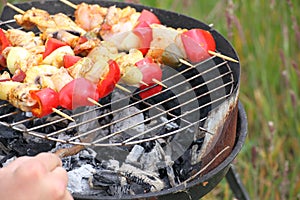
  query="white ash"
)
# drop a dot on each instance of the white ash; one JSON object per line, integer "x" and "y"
{"x": 134, "y": 155}
{"x": 79, "y": 180}
{"x": 170, "y": 125}
{"x": 149, "y": 177}
{"x": 129, "y": 120}
{"x": 150, "y": 160}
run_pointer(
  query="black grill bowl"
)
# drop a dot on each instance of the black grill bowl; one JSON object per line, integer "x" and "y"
{"x": 237, "y": 124}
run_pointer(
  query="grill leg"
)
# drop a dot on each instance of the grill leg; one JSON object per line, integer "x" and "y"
{"x": 236, "y": 184}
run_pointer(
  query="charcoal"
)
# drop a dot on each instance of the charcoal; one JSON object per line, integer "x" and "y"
{"x": 78, "y": 180}
{"x": 134, "y": 155}
{"x": 7, "y": 108}
{"x": 31, "y": 148}
{"x": 7, "y": 133}
{"x": 104, "y": 178}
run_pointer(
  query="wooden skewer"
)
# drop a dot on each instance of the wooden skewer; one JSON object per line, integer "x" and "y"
{"x": 15, "y": 8}
{"x": 123, "y": 88}
{"x": 63, "y": 114}
{"x": 186, "y": 62}
{"x": 143, "y": 83}
{"x": 159, "y": 83}
{"x": 222, "y": 56}
{"x": 94, "y": 102}
{"x": 65, "y": 152}
{"x": 69, "y": 4}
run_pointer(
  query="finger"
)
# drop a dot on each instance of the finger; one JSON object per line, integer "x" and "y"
{"x": 68, "y": 196}
{"x": 57, "y": 182}
{"x": 61, "y": 174}
{"x": 17, "y": 162}
{"x": 49, "y": 160}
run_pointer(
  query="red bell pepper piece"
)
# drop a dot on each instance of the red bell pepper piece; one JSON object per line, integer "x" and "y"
{"x": 147, "y": 91}
{"x": 197, "y": 43}
{"x": 149, "y": 17}
{"x": 150, "y": 71}
{"x": 70, "y": 60}
{"x": 107, "y": 83}
{"x": 47, "y": 99}
{"x": 76, "y": 94}
{"x": 144, "y": 33}
{"x": 4, "y": 42}
{"x": 51, "y": 45}
{"x": 143, "y": 29}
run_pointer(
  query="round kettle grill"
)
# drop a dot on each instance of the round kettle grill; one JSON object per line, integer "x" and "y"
{"x": 198, "y": 105}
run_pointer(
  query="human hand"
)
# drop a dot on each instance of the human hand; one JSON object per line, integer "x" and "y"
{"x": 36, "y": 178}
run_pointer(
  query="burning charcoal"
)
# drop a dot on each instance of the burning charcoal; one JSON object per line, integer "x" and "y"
{"x": 129, "y": 120}
{"x": 134, "y": 155}
{"x": 110, "y": 164}
{"x": 104, "y": 178}
{"x": 31, "y": 148}
{"x": 119, "y": 191}
{"x": 8, "y": 134}
{"x": 150, "y": 159}
{"x": 109, "y": 181}
{"x": 150, "y": 181}
{"x": 182, "y": 166}
{"x": 148, "y": 146}
{"x": 78, "y": 180}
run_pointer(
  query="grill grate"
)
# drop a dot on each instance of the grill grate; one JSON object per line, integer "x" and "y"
{"x": 191, "y": 93}
{"x": 197, "y": 96}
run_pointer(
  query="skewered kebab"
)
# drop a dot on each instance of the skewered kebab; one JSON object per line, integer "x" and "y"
{"x": 125, "y": 13}
{"x": 144, "y": 31}
{"x": 40, "y": 22}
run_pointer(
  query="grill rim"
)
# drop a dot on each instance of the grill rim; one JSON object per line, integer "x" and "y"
{"x": 223, "y": 46}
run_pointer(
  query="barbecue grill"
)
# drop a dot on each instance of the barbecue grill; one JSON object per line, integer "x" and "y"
{"x": 196, "y": 120}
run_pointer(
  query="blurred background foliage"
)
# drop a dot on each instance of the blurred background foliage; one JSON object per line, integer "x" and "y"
{"x": 266, "y": 36}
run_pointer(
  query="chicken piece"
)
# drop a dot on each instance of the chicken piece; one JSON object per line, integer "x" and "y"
{"x": 43, "y": 20}
{"x": 20, "y": 38}
{"x": 162, "y": 37}
{"x": 90, "y": 17}
{"x": 105, "y": 51}
{"x": 118, "y": 21}
{"x": 65, "y": 36}
{"x": 130, "y": 74}
{"x": 63, "y": 22}
{"x": 20, "y": 58}
{"x": 35, "y": 17}
{"x": 19, "y": 96}
{"x": 6, "y": 87}
{"x": 86, "y": 47}
{"x": 79, "y": 69}
{"x": 129, "y": 59}
{"x": 41, "y": 75}
{"x": 61, "y": 78}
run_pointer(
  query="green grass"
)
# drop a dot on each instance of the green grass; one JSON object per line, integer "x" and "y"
{"x": 267, "y": 38}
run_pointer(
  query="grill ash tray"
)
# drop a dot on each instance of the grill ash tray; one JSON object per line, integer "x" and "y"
{"x": 178, "y": 143}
